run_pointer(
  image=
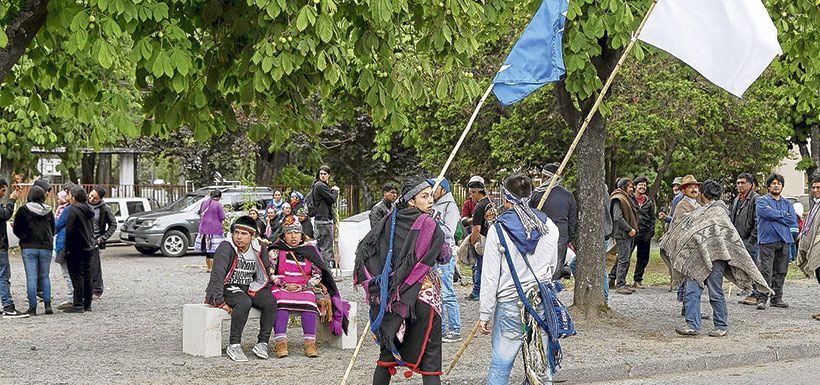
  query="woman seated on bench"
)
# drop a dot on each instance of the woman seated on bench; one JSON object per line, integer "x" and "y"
{"x": 297, "y": 273}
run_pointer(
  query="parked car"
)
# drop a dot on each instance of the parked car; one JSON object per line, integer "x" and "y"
{"x": 122, "y": 208}
{"x": 172, "y": 229}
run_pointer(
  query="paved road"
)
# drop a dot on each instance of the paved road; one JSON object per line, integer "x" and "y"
{"x": 800, "y": 372}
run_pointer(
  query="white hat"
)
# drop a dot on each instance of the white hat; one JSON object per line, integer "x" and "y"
{"x": 476, "y": 179}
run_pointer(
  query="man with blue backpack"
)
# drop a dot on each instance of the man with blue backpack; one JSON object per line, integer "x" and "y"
{"x": 519, "y": 304}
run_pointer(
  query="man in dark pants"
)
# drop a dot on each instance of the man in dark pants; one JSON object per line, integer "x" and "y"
{"x": 560, "y": 207}
{"x": 645, "y": 209}
{"x": 775, "y": 219}
{"x": 239, "y": 281}
{"x": 743, "y": 218}
{"x": 324, "y": 197}
{"x": 625, "y": 223}
{"x": 478, "y": 194}
{"x": 79, "y": 246}
{"x": 105, "y": 224}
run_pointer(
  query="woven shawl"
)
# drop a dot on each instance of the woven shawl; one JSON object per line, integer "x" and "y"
{"x": 808, "y": 253}
{"x": 705, "y": 235}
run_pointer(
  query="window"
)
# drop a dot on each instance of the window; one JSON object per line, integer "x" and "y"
{"x": 115, "y": 208}
{"x": 134, "y": 207}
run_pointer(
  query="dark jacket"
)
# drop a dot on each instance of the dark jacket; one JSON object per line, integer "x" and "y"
{"x": 323, "y": 199}
{"x": 6, "y": 211}
{"x": 79, "y": 230}
{"x": 646, "y": 218}
{"x": 378, "y": 212}
{"x": 624, "y": 218}
{"x": 743, "y": 217}
{"x": 561, "y": 208}
{"x": 34, "y": 226}
{"x": 307, "y": 228}
{"x": 224, "y": 265}
{"x": 105, "y": 224}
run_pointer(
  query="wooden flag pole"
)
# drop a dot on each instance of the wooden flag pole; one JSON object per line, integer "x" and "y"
{"x": 365, "y": 332}
{"x": 595, "y": 106}
{"x": 464, "y": 346}
{"x": 463, "y": 135}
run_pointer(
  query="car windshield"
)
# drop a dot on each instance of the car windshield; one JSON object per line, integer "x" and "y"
{"x": 183, "y": 202}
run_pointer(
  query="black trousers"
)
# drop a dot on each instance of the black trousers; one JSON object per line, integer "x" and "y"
{"x": 773, "y": 263}
{"x": 642, "y": 245}
{"x": 562, "y": 258}
{"x": 96, "y": 272}
{"x": 79, "y": 269}
{"x": 237, "y": 298}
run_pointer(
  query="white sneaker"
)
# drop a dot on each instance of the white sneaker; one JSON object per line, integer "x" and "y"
{"x": 235, "y": 353}
{"x": 261, "y": 350}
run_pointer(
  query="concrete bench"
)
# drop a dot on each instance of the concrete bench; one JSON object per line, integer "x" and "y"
{"x": 202, "y": 330}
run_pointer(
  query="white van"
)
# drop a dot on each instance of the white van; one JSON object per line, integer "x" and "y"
{"x": 124, "y": 208}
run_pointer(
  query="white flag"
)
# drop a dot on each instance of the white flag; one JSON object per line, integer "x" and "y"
{"x": 730, "y": 42}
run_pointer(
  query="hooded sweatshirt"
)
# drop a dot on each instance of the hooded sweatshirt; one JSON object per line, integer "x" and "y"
{"x": 34, "y": 226}
{"x": 79, "y": 230}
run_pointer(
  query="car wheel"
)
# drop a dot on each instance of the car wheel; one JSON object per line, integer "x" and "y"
{"x": 174, "y": 244}
{"x": 146, "y": 250}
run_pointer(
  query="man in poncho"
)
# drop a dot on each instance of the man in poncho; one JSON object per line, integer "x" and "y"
{"x": 703, "y": 247}
{"x": 395, "y": 265}
{"x": 808, "y": 253}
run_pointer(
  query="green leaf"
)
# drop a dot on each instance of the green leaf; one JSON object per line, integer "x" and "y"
{"x": 105, "y": 56}
{"x": 178, "y": 83}
{"x": 180, "y": 61}
{"x": 160, "y": 11}
{"x": 267, "y": 64}
{"x": 158, "y": 67}
{"x": 324, "y": 28}
{"x": 4, "y": 40}
{"x": 302, "y": 19}
{"x": 441, "y": 89}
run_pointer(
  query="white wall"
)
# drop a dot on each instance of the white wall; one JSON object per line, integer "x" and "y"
{"x": 795, "y": 180}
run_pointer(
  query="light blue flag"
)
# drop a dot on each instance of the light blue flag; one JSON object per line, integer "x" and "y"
{"x": 536, "y": 57}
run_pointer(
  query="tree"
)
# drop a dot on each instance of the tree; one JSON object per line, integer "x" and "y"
{"x": 197, "y": 62}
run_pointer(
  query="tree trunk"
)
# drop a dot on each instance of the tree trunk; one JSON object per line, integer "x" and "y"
{"x": 89, "y": 161}
{"x": 815, "y": 151}
{"x": 21, "y": 32}
{"x": 103, "y": 169}
{"x": 589, "y": 282}
{"x": 269, "y": 164}
{"x": 667, "y": 160}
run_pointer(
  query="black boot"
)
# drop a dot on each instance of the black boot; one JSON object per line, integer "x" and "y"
{"x": 48, "y": 308}
{"x": 32, "y": 311}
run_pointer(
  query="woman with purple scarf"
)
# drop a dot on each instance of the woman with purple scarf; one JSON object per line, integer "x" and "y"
{"x": 394, "y": 264}
{"x": 211, "y": 233}
{"x": 298, "y": 272}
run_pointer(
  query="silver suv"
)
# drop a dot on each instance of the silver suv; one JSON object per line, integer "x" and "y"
{"x": 173, "y": 229}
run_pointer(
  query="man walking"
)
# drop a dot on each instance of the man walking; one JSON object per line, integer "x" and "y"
{"x": 775, "y": 219}
{"x": 560, "y": 207}
{"x": 6, "y": 211}
{"x": 743, "y": 218}
{"x": 625, "y": 223}
{"x": 105, "y": 224}
{"x": 446, "y": 214}
{"x": 381, "y": 209}
{"x": 323, "y": 198}
{"x": 645, "y": 209}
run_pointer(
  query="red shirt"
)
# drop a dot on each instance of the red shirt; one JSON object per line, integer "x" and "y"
{"x": 640, "y": 199}
{"x": 467, "y": 208}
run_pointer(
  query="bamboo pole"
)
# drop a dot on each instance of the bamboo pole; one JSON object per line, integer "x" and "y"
{"x": 464, "y": 346}
{"x": 356, "y": 352}
{"x": 595, "y": 106}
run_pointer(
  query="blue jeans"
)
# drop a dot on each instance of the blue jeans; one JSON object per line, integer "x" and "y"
{"x": 449, "y": 303}
{"x": 476, "y": 272}
{"x": 506, "y": 342}
{"x": 36, "y": 263}
{"x": 714, "y": 283}
{"x": 5, "y": 274}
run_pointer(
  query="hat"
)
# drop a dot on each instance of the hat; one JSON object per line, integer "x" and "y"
{"x": 301, "y": 211}
{"x": 687, "y": 180}
{"x": 475, "y": 182}
{"x": 550, "y": 168}
{"x": 41, "y": 183}
{"x": 245, "y": 223}
{"x": 443, "y": 184}
{"x": 291, "y": 225}
{"x": 677, "y": 181}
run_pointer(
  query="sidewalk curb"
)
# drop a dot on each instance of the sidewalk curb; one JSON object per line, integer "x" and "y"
{"x": 648, "y": 369}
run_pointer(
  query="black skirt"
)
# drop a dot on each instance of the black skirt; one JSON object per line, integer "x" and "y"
{"x": 420, "y": 349}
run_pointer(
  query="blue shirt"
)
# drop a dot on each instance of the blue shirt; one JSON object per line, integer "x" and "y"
{"x": 678, "y": 197}
{"x": 775, "y": 220}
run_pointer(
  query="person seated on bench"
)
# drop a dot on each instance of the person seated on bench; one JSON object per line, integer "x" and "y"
{"x": 239, "y": 281}
{"x": 298, "y": 274}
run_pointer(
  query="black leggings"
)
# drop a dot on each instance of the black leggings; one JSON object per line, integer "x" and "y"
{"x": 79, "y": 269}
{"x": 237, "y": 298}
